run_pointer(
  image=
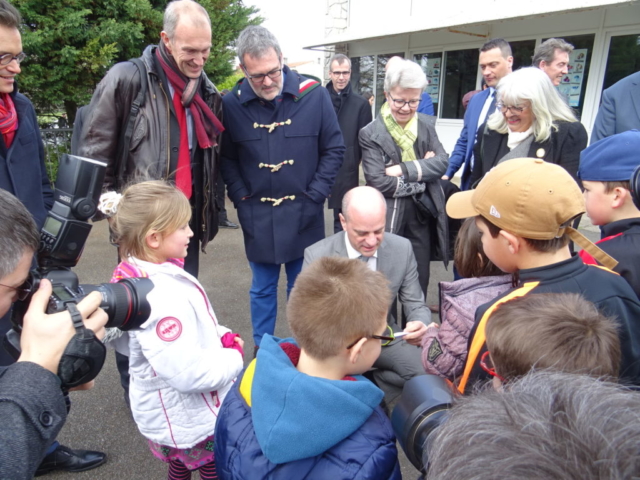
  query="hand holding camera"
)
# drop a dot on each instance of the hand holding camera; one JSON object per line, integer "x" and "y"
{"x": 45, "y": 337}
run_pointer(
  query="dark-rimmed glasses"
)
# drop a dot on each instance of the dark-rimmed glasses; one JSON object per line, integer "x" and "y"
{"x": 511, "y": 108}
{"x": 22, "y": 291}
{"x": 487, "y": 365}
{"x": 259, "y": 77}
{"x": 386, "y": 339}
{"x": 401, "y": 103}
{"x": 7, "y": 58}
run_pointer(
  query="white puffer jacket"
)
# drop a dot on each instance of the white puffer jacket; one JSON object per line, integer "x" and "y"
{"x": 180, "y": 372}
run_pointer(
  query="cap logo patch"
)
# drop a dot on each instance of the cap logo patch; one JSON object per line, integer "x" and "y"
{"x": 169, "y": 329}
{"x": 494, "y": 212}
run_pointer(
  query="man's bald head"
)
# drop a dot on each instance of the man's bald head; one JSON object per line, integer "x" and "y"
{"x": 364, "y": 199}
{"x": 363, "y": 218}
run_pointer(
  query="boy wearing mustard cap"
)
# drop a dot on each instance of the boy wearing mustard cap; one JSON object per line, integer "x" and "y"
{"x": 524, "y": 209}
{"x": 605, "y": 170}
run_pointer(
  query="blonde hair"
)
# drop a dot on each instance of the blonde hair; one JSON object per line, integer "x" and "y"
{"x": 533, "y": 85}
{"x": 334, "y": 302}
{"x": 153, "y": 206}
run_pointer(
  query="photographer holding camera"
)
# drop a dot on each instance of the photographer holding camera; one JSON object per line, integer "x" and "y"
{"x": 32, "y": 406}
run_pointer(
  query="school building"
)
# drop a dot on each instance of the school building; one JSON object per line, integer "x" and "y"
{"x": 444, "y": 37}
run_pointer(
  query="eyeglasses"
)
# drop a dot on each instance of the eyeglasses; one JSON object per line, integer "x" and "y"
{"x": 259, "y": 77}
{"x": 22, "y": 291}
{"x": 512, "y": 108}
{"x": 342, "y": 74}
{"x": 7, "y": 58}
{"x": 487, "y": 365}
{"x": 401, "y": 103}
{"x": 386, "y": 340}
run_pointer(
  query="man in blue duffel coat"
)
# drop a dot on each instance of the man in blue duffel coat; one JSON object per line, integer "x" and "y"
{"x": 281, "y": 150}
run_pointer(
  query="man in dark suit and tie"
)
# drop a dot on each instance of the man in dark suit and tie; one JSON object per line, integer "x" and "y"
{"x": 363, "y": 220}
{"x": 620, "y": 108}
{"x": 495, "y": 62}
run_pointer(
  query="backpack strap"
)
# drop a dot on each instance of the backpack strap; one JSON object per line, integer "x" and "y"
{"x": 136, "y": 106}
{"x": 479, "y": 338}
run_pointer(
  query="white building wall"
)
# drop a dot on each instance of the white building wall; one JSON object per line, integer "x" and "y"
{"x": 370, "y": 15}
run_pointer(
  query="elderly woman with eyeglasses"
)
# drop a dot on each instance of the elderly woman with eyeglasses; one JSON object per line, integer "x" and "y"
{"x": 531, "y": 120}
{"x": 403, "y": 158}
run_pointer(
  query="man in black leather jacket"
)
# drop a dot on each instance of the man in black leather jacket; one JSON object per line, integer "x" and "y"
{"x": 162, "y": 137}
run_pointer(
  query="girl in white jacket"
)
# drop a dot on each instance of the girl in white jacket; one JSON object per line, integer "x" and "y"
{"x": 182, "y": 362}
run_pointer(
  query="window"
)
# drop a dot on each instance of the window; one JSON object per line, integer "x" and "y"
{"x": 431, "y": 64}
{"x": 574, "y": 84}
{"x": 362, "y": 73}
{"x": 623, "y": 58}
{"x": 522, "y": 53}
{"x": 460, "y": 74}
{"x": 381, "y": 63}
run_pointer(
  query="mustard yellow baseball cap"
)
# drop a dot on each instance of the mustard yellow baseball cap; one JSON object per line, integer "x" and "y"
{"x": 530, "y": 198}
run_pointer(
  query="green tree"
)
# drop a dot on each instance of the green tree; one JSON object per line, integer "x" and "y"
{"x": 72, "y": 43}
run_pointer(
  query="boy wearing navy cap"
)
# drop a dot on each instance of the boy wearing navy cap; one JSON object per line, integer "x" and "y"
{"x": 605, "y": 170}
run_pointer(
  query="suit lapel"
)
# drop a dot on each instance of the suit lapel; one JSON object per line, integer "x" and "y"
{"x": 339, "y": 247}
{"x": 381, "y": 262}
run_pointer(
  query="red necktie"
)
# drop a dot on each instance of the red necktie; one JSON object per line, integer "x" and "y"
{"x": 183, "y": 172}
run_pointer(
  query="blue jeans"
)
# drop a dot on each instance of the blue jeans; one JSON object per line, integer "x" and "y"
{"x": 264, "y": 294}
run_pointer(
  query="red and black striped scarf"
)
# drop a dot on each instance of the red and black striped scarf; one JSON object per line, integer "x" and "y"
{"x": 8, "y": 119}
{"x": 207, "y": 125}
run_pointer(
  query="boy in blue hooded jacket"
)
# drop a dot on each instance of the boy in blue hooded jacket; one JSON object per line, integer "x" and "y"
{"x": 302, "y": 409}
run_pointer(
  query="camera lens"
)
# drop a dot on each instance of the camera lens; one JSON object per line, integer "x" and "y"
{"x": 422, "y": 407}
{"x": 124, "y": 302}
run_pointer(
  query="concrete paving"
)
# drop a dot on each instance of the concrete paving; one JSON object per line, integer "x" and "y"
{"x": 100, "y": 420}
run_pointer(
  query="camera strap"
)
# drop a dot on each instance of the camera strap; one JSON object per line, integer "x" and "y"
{"x": 83, "y": 356}
{"x": 76, "y": 317}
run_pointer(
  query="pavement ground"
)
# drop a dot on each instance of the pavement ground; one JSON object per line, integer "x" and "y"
{"x": 99, "y": 418}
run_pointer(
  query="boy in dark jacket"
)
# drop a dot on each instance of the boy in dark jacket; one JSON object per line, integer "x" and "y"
{"x": 524, "y": 209}
{"x": 301, "y": 408}
{"x": 605, "y": 170}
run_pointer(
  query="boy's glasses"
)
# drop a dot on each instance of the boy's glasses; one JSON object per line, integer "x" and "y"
{"x": 386, "y": 339}
{"x": 487, "y": 366}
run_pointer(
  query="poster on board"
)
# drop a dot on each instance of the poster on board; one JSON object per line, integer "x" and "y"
{"x": 571, "y": 85}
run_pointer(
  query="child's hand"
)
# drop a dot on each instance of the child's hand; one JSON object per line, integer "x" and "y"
{"x": 239, "y": 341}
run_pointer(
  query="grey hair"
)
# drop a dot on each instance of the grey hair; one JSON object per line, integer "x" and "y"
{"x": 362, "y": 195}
{"x": 532, "y": 84}
{"x": 18, "y": 233}
{"x": 256, "y": 41}
{"x": 405, "y": 74}
{"x": 176, "y": 9}
{"x": 546, "y": 51}
{"x": 546, "y": 425}
{"x": 9, "y": 15}
{"x": 341, "y": 58}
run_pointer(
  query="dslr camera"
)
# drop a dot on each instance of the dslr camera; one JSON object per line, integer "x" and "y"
{"x": 62, "y": 240}
{"x": 423, "y": 406}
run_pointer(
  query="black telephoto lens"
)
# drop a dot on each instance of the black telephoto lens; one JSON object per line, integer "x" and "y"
{"x": 124, "y": 302}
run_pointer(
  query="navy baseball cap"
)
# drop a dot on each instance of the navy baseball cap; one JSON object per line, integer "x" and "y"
{"x": 612, "y": 159}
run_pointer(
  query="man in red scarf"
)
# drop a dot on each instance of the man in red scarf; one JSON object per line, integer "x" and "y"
{"x": 23, "y": 173}
{"x": 175, "y": 135}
